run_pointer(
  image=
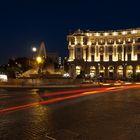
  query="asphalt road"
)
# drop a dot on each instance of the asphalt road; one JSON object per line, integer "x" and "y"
{"x": 108, "y": 113}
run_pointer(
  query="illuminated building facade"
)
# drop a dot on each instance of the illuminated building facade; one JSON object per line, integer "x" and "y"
{"x": 110, "y": 54}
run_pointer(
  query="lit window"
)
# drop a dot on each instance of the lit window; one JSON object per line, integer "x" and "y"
{"x": 129, "y": 56}
{"x": 92, "y": 71}
{"x": 78, "y": 69}
{"x": 120, "y": 57}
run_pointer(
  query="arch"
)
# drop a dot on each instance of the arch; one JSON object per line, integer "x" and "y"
{"x": 138, "y": 69}
{"x": 92, "y": 71}
{"x": 78, "y": 70}
{"x": 120, "y": 71}
{"x": 110, "y": 71}
{"x": 101, "y": 70}
{"x": 129, "y": 71}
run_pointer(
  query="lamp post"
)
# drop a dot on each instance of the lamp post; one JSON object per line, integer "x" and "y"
{"x": 39, "y": 61}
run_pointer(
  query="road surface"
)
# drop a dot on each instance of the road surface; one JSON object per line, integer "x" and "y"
{"x": 105, "y": 113}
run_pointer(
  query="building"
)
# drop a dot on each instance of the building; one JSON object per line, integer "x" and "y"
{"x": 110, "y": 54}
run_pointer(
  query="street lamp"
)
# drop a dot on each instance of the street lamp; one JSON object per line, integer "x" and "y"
{"x": 39, "y": 60}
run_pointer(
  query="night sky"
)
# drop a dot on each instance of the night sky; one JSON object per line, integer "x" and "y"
{"x": 25, "y": 23}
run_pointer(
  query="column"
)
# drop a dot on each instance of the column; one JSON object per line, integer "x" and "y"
{"x": 73, "y": 52}
{"x": 97, "y": 52}
{"x": 89, "y": 53}
{"x": 115, "y": 58}
{"x": 105, "y": 52}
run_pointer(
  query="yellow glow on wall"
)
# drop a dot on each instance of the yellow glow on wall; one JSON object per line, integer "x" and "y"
{"x": 115, "y": 33}
{"x": 124, "y": 32}
{"x": 105, "y": 34}
{"x": 119, "y": 40}
{"x": 70, "y": 60}
{"x": 76, "y": 42}
{"x": 134, "y": 58}
{"x": 138, "y": 69}
{"x": 115, "y": 59}
{"x": 97, "y": 59}
{"x": 133, "y": 32}
{"x": 129, "y": 39}
{"x": 89, "y": 59}
{"x": 97, "y": 34}
{"x": 89, "y": 43}
{"x": 89, "y": 34}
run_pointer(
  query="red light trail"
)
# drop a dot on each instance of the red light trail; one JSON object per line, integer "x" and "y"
{"x": 81, "y": 93}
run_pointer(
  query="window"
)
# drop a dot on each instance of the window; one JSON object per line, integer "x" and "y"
{"x": 129, "y": 56}
{"x": 101, "y": 49}
{"x": 110, "y": 57}
{"x": 119, "y": 41}
{"x": 101, "y": 42}
{"x": 78, "y": 69}
{"x": 129, "y": 40}
{"x": 92, "y": 49}
{"x": 138, "y": 39}
{"x": 110, "y": 49}
{"x": 92, "y": 71}
{"x": 138, "y": 56}
{"x": 78, "y": 50}
{"x": 92, "y": 57}
{"x": 78, "y": 53}
{"x": 78, "y": 57}
{"x": 110, "y": 41}
{"x": 85, "y": 40}
{"x": 129, "y": 48}
{"x": 120, "y": 57}
{"x": 72, "y": 41}
{"x": 93, "y": 43}
{"x": 138, "y": 48}
{"x": 119, "y": 49}
{"x": 101, "y": 57}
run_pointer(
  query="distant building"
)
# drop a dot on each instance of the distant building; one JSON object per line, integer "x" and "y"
{"x": 111, "y": 54}
{"x": 60, "y": 61}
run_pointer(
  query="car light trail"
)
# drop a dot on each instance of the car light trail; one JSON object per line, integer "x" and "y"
{"x": 70, "y": 92}
{"x": 58, "y": 99}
